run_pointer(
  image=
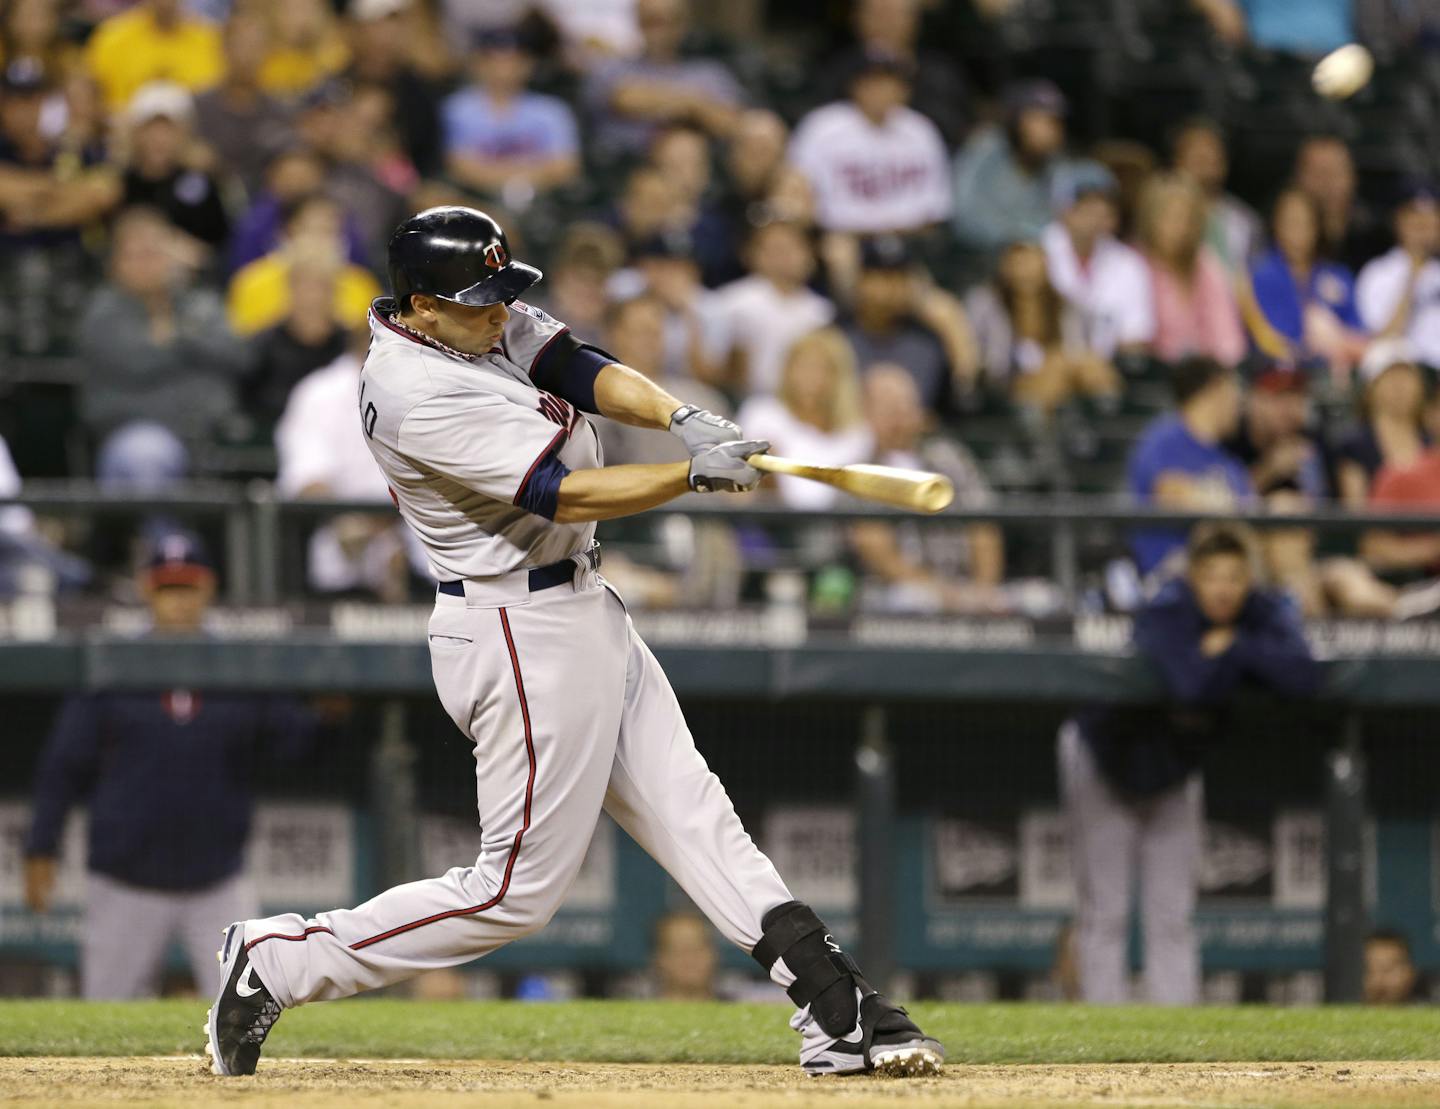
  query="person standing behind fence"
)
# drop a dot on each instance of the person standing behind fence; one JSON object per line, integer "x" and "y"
{"x": 1130, "y": 779}
{"x": 167, "y": 778}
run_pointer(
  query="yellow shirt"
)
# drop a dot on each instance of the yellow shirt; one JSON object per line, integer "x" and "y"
{"x": 287, "y": 72}
{"x": 128, "y": 50}
{"x": 259, "y": 295}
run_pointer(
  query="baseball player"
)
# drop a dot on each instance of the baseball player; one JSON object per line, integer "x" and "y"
{"x": 476, "y": 406}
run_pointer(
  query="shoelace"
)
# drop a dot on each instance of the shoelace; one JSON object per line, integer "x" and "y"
{"x": 267, "y": 1015}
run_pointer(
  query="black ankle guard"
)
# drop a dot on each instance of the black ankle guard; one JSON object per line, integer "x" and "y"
{"x": 825, "y": 977}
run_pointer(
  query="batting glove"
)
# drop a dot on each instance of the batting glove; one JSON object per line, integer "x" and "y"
{"x": 723, "y": 469}
{"x": 700, "y": 430}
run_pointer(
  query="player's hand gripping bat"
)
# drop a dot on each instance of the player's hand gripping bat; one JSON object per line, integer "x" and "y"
{"x": 916, "y": 490}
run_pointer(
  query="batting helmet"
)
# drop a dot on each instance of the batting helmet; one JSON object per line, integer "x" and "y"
{"x": 456, "y": 254}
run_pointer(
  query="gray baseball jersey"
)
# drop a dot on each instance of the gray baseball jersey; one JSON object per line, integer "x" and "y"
{"x": 459, "y": 436}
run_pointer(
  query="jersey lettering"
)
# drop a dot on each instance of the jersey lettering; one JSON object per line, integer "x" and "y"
{"x": 368, "y": 414}
{"x": 554, "y": 409}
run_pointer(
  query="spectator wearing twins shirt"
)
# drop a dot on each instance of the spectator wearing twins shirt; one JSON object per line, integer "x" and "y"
{"x": 875, "y": 164}
{"x": 1398, "y": 293}
{"x": 501, "y": 139}
{"x": 1103, "y": 278}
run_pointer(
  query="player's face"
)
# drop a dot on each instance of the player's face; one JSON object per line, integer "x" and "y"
{"x": 179, "y": 608}
{"x": 1220, "y": 584}
{"x": 467, "y": 328}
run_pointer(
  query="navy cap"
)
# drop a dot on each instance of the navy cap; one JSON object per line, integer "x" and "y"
{"x": 24, "y": 76}
{"x": 1037, "y": 93}
{"x": 885, "y": 252}
{"x": 178, "y": 559}
{"x": 675, "y": 243}
{"x": 1416, "y": 189}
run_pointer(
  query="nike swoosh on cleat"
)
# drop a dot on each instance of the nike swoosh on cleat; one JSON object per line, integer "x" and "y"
{"x": 241, "y": 988}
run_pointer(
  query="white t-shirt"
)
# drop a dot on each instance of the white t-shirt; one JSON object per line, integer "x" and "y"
{"x": 768, "y": 418}
{"x": 1378, "y": 290}
{"x": 757, "y": 318}
{"x": 869, "y": 179}
{"x": 460, "y": 437}
{"x": 1111, "y": 290}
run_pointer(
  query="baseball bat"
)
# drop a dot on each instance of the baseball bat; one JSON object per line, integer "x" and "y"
{"x": 917, "y": 490}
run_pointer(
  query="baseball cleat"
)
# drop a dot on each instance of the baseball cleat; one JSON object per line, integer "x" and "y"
{"x": 243, "y": 1012}
{"x": 884, "y": 1041}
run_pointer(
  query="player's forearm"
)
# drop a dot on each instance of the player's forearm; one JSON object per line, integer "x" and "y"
{"x": 629, "y": 397}
{"x": 586, "y": 496}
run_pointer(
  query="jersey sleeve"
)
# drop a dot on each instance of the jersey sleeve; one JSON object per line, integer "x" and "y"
{"x": 529, "y": 332}
{"x": 484, "y": 442}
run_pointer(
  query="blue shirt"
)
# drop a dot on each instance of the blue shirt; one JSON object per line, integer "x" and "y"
{"x": 1283, "y": 302}
{"x": 1168, "y": 447}
{"x": 1299, "y": 26}
{"x": 166, "y": 777}
{"x": 531, "y": 126}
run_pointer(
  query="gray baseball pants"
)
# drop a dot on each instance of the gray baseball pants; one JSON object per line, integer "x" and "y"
{"x": 128, "y": 930}
{"x": 570, "y": 714}
{"x": 1113, "y": 839}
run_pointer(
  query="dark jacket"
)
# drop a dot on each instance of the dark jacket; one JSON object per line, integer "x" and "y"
{"x": 1146, "y": 750}
{"x": 167, "y": 777}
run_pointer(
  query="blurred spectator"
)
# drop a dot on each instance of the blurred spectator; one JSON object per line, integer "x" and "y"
{"x": 244, "y": 125}
{"x": 1305, "y": 27}
{"x": 1390, "y": 976}
{"x": 665, "y": 267}
{"x": 630, "y": 98}
{"x": 1398, "y": 293}
{"x": 682, "y": 155}
{"x": 502, "y": 140}
{"x": 909, "y": 568}
{"x": 327, "y": 122}
{"x": 574, "y": 286}
{"x": 293, "y": 174}
{"x": 635, "y": 336}
{"x": 1102, "y": 277}
{"x": 1195, "y": 311}
{"x": 47, "y": 194}
{"x": 381, "y": 37}
{"x": 306, "y": 47}
{"x": 898, "y": 318}
{"x": 875, "y": 164}
{"x": 1131, "y": 778}
{"x": 753, "y": 164}
{"x": 1031, "y": 340}
{"x": 683, "y": 958}
{"x": 23, "y": 551}
{"x": 156, "y": 40}
{"x": 164, "y": 170}
{"x": 1391, "y": 431}
{"x": 1303, "y": 306}
{"x": 30, "y": 32}
{"x": 1233, "y": 229}
{"x": 648, "y": 206}
{"x": 162, "y": 362}
{"x": 166, "y": 778}
{"x": 322, "y": 453}
{"x": 372, "y": 114}
{"x": 814, "y": 415}
{"x": 1325, "y": 171}
{"x": 1407, "y": 555}
{"x": 310, "y": 336}
{"x": 594, "y": 31}
{"x": 1179, "y": 462}
{"x": 892, "y": 28}
{"x": 259, "y": 294}
{"x": 1004, "y": 176}
{"x": 1274, "y": 437}
{"x": 772, "y": 306}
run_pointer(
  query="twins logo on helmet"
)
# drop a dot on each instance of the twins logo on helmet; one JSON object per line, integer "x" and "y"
{"x": 495, "y": 256}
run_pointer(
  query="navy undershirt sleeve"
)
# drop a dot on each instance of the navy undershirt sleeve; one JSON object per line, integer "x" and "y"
{"x": 568, "y": 368}
{"x": 541, "y": 490}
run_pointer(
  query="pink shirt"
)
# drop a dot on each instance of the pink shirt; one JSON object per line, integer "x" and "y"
{"x": 1203, "y": 319}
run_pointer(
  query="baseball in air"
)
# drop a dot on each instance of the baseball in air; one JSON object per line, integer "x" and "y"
{"x": 1343, "y": 72}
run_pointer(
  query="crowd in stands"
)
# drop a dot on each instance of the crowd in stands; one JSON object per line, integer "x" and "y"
{"x": 848, "y": 225}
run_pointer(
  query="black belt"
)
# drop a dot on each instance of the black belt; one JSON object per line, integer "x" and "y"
{"x": 542, "y": 577}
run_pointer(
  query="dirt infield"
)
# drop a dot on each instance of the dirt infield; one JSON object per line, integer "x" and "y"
{"x": 184, "y": 1083}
